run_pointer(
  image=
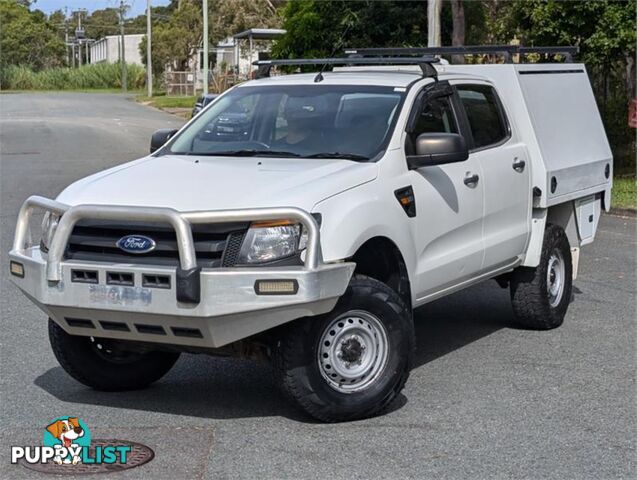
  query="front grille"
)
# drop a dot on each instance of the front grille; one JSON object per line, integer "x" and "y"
{"x": 216, "y": 245}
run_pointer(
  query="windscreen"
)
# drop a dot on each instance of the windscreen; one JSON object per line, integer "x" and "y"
{"x": 315, "y": 121}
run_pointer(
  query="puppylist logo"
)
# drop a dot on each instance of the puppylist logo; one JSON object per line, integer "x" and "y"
{"x": 67, "y": 441}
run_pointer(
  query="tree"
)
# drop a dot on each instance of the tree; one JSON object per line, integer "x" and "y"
{"x": 233, "y": 16}
{"x": 475, "y": 18}
{"x": 605, "y": 31}
{"x": 458, "y": 33}
{"x": 321, "y": 28}
{"x": 177, "y": 31}
{"x": 27, "y": 38}
{"x": 161, "y": 15}
{"x": 57, "y": 19}
{"x": 175, "y": 41}
{"x": 101, "y": 23}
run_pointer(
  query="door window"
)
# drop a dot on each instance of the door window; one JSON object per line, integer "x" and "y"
{"x": 485, "y": 116}
{"x": 436, "y": 117}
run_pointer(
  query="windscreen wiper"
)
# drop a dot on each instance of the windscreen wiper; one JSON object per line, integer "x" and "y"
{"x": 346, "y": 156}
{"x": 246, "y": 153}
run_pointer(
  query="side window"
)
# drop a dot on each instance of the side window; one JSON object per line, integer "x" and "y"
{"x": 486, "y": 118}
{"x": 436, "y": 117}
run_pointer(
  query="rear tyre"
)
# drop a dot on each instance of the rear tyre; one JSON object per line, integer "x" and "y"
{"x": 352, "y": 362}
{"x": 104, "y": 365}
{"x": 541, "y": 295}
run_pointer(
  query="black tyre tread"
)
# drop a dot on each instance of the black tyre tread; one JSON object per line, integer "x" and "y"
{"x": 69, "y": 351}
{"x": 302, "y": 393}
{"x": 528, "y": 290}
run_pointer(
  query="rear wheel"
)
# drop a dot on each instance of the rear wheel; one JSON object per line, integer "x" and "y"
{"x": 105, "y": 364}
{"x": 541, "y": 295}
{"x": 352, "y": 362}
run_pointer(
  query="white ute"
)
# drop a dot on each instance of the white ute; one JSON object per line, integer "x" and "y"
{"x": 302, "y": 217}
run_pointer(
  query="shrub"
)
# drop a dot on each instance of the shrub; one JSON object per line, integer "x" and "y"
{"x": 97, "y": 76}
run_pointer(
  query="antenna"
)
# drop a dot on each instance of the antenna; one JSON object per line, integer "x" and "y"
{"x": 338, "y": 46}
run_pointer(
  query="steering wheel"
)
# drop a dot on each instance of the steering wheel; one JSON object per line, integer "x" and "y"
{"x": 259, "y": 145}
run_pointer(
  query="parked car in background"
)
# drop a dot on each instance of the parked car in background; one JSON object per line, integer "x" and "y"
{"x": 202, "y": 101}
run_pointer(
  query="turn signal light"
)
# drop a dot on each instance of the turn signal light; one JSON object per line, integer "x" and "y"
{"x": 271, "y": 223}
{"x": 407, "y": 200}
{"x": 276, "y": 287}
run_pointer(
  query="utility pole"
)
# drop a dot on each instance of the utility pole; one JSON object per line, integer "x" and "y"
{"x": 205, "y": 47}
{"x": 66, "y": 35}
{"x": 149, "y": 58}
{"x": 66, "y": 43}
{"x": 122, "y": 58}
{"x": 433, "y": 23}
{"x": 78, "y": 37}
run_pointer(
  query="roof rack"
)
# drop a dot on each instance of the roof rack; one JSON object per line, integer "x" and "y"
{"x": 424, "y": 61}
{"x": 568, "y": 52}
{"x": 505, "y": 50}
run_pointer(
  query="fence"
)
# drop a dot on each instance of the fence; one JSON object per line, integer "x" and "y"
{"x": 180, "y": 83}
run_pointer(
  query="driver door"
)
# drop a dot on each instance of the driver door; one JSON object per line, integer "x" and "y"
{"x": 448, "y": 227}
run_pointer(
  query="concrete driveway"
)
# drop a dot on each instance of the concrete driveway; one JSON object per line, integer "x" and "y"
{"x": 485, "y": 400}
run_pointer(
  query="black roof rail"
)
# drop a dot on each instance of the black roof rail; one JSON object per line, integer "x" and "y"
{"x": 568, "y": 52}
{"x": 505, "y": 50}
{"x": 424, "y": 62}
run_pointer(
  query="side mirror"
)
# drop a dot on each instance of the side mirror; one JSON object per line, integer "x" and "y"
{"x": 160, "y": 137}
{"x": 438, "y": 149}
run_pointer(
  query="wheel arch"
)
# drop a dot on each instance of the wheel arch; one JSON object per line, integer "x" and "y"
{"x": 562, "y": 215}
{"x": 366, "y": 219}
{"x": 380, "y": 258}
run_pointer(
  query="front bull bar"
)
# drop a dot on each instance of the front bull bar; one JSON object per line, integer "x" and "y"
{"x": 180, "y": 222}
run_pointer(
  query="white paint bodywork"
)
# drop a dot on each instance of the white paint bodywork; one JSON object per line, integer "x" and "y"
{"x": 460, "y": 235}
{"x": 556, "y": 117}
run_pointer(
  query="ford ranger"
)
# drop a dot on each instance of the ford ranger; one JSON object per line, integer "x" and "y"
{"x": 301, "y": 218}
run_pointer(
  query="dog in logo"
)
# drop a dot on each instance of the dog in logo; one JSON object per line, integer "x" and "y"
{"x": 66, "y": 431}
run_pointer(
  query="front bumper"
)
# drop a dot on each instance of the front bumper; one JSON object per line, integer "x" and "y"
{"x": 229, "y": 308}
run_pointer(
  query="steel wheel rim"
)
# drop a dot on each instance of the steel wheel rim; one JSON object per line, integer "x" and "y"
{"x": 105, "y": 351}
{"x": 353, "y": 351}
{"x": 555, "y": 278}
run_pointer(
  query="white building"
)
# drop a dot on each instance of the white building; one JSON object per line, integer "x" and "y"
{"x": 236, "y": 54}
{"x": 107, "y": 49}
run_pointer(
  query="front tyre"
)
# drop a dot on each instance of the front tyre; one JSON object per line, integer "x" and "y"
{"x": 352, "y": 362}
{"x": 540, "y": 296}
{"x": 103, "y": 365}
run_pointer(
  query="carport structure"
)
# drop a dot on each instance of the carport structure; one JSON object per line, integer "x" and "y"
{"x": 250, "y": 36}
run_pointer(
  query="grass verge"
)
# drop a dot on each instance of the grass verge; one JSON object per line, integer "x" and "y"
{"x": 168, "y": 102}
{"x": 77, "y": 90}
{"x": 625, "y": 192}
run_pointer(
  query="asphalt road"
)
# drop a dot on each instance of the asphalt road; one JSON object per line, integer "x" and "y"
{"x": 485, "y": 400}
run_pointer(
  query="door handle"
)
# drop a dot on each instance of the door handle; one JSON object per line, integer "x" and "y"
{"x": 518, "y": 165}
{"x": 471, "y": 180}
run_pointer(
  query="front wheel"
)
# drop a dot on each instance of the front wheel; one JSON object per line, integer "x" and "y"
{"x": 540, "y": 296}
{"x": 352, "y": 362}
{"x": 104, "y": 364}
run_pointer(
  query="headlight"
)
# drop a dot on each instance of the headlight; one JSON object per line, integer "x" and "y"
{"x": 268, "y": 241}
{"x": 49, "y": 225}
